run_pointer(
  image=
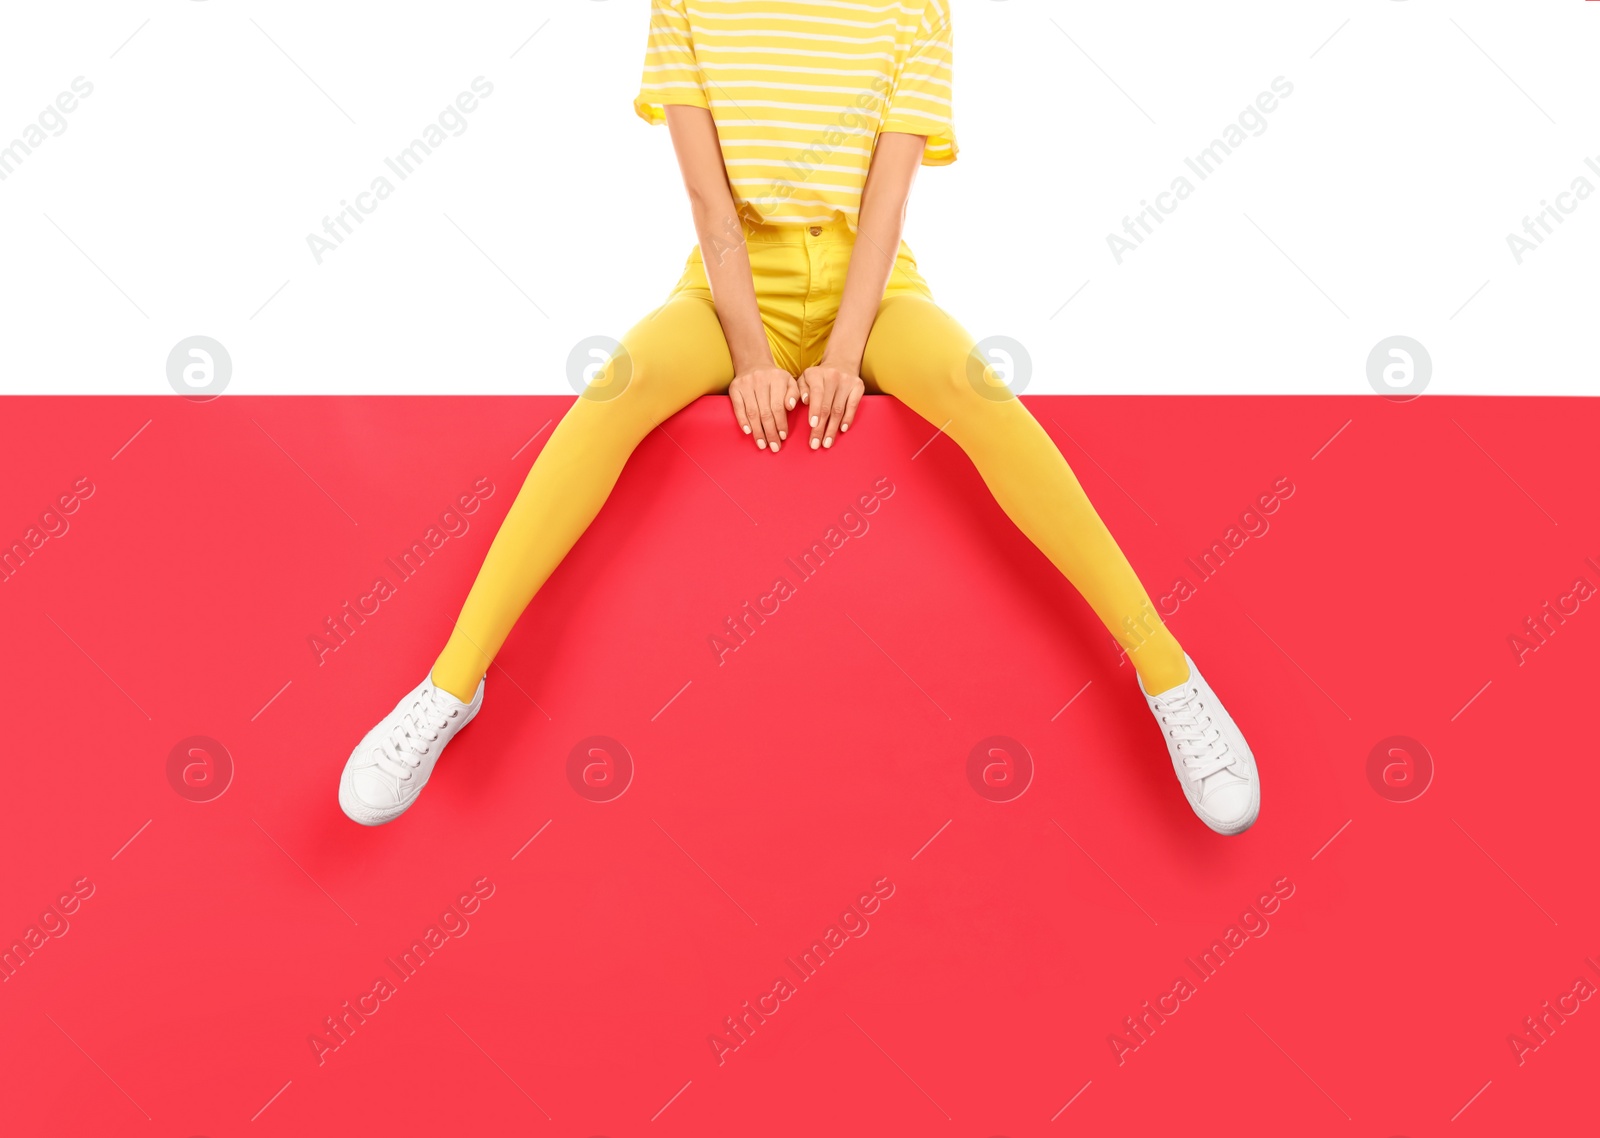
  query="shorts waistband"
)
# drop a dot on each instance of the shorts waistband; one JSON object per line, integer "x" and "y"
{"x": 797, "y": 232}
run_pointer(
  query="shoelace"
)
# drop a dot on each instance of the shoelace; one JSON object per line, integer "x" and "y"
{"x": 409, "y": 742}
{"x": 1198, "y": 738}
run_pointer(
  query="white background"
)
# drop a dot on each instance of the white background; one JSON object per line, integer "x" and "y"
{"x": 1377, "y": 202}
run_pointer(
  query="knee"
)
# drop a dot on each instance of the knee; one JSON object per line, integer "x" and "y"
{"x": 610, "y": 380}
{"x": 955, "y": 383}
{"x": 634, "y": 392}
{"x": 994, "y": 375}
{"x": 630, "y": 380}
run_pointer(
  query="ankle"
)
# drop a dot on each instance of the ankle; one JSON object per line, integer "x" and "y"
{"x": 1160, "y": 671}
{"x": 463, "y": 688}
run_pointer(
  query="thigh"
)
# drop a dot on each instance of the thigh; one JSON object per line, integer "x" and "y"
{"x": 922, "y": 356}
{"x": 915, "y": 346}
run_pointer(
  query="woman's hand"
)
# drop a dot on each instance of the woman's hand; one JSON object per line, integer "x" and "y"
{"x": 762, "y": 399}
{"x": 833, "y": 389}
{"x": 831, "y": 393}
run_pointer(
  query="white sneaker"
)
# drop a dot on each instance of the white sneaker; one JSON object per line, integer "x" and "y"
{"x": 389, "y": 768}
{"x": 1213, "y": 761}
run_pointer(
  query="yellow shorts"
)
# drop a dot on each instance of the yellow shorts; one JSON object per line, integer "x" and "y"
{"x": 799, "y": 274}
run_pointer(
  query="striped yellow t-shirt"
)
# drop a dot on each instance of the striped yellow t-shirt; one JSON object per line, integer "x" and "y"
{"x": 800, "y": 90}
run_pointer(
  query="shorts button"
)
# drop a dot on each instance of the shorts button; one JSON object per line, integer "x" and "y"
{"x": 815, "y": 231}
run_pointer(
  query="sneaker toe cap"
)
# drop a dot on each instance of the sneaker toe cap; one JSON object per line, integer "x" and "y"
{"x": 1231, "y": 807}
{"x": 374, "y": 789}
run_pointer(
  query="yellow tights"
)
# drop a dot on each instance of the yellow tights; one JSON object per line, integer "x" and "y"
{"x": 916, "y": 353}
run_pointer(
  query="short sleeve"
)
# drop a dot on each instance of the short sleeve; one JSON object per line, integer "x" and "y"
{"x": 920, "y": 103}
{"x": 671, "y": 74}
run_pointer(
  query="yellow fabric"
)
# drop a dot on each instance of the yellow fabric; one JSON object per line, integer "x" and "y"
{"x": 800, "y": 90}
{"x": 916, "y": 353}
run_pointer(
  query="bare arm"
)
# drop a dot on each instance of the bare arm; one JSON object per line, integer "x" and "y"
{"x": 762, "y": 393}
{"x": 832, "y": 390}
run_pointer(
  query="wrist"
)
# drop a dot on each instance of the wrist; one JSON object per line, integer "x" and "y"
{"x": 843, "y": 359}
{"x": 752, "y": 359}
{"x": 751, "y": 366}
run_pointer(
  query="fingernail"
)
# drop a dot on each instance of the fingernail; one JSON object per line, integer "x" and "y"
{"x": 774, "y": 448}
{"x": 844, "y": 426}
{"x": 806, "y": 398}
{"x": 791, "y": 403}
{"x": 828, "y": 442}
{"x": 813, "y": 420}
{"x": 815, "y": 444}
{"x": 761, "y": 444}
{"x": 747, "y": 430}
{"x": 783, "y": 434}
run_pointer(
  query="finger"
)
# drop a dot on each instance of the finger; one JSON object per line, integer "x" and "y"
{"x": 817, "y": 414}
{"x": 749, "y": 415}
{"x": 810, "y": 387}
{"x": 841, "y": 394}
{"x": 792, "y": 392}
{"x": 850, "y": 406}
{"x": 769, "y": 428}
{"x": 812, "y": 384}
{"x": 736, "y": 397}
{"x": 780, "y": 413}
{"x": 752, "y": 413}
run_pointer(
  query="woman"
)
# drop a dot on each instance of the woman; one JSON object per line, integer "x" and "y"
{"x": 799, "y": 126}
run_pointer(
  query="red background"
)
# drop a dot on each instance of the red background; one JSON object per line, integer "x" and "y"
{"x": 778, "y": 786}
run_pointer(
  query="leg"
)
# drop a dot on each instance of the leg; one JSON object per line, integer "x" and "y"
{"x": 921, "y": 355}
{"x": 674, "y": 355}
